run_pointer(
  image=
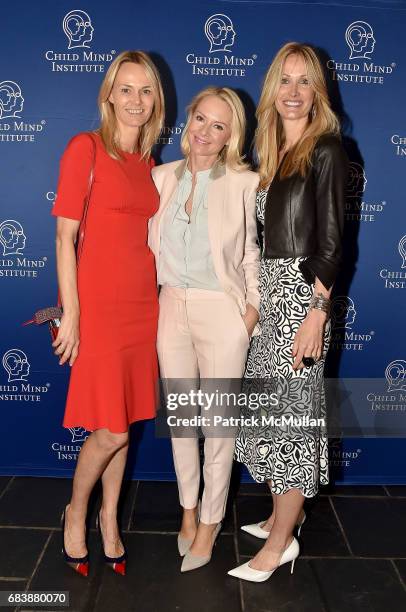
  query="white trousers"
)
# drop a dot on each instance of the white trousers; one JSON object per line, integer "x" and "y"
{"x": 201, "y": 334}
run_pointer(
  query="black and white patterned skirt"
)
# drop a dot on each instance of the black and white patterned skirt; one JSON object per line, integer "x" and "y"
{"x": 292, "y": 457}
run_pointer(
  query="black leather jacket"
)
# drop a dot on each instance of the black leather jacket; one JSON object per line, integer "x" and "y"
{"x": 305, "y": 216}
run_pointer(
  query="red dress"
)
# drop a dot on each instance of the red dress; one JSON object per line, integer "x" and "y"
{"x": 114, "y": 378}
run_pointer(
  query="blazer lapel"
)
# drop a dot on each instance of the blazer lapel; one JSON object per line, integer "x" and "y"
{"x": 169, "y": 184}
{"x": 217, "y": 193}
{"x": 216, "y": 197}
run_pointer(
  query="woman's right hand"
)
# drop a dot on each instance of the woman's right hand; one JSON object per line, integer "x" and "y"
{"x": 67, "y": 341}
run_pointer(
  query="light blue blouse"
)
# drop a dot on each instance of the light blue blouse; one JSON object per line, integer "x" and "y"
{"x": 185, "y": 258}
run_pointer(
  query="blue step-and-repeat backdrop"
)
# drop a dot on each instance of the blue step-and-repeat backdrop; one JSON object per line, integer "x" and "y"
{"x": 54, "y": 56}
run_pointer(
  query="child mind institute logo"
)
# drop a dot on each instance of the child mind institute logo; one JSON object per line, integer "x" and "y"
{"x": 170, "y": 134}
{"x": 400, "y": 144}
{"x": 221, "y": 35}
{"x": 339, "y": 457}
{"x": 13, "y": 262}
{"x": 356, "y": 209}
{"x": 79, "y": 434}
{"x": 16, "y": 364}
{"x": 12, "y": 237}
{"x": 357, "y": 180}
{"x": 360, "y": 39}
{"x": 358, "y": 67}
{"x": 79, "y": 30}
{"x": 343, "y": 316}
{"x": 11, "y": 100}
{"x": 395, "y": 375}
{"x": 393, "y": 397}
{"x": 70, "y": 452}
{"x": 17, "y": 367}
{"x": 11, "y": 107}
{"x": 396, "y": 279}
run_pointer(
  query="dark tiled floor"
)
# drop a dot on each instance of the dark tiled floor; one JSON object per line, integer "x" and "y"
{"x": 396, "y": 491}
{"x": 401, "y": 567}
{"x": 359, "y": 584}
{"x": 284, "y": 592}
{"x": 353, "y": 552}
{"x": 156, "y": 583}
{"x": 11, "y": 585}
{"x": 4, "y": 480}
{"x": 377, "y": 527}
{"x": 20, "y": 548}
{"x": 362, "y": 491}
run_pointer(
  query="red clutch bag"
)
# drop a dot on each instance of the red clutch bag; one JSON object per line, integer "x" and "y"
{"x": 51, "y": 315}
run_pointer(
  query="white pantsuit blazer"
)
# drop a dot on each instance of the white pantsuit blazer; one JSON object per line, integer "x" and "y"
{"x": 232, "y": 227}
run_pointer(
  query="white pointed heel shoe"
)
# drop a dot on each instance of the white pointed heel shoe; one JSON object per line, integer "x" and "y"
{"x": 256, "y": 529}
{"x": 183, "y": 543}
{"x": 300, "y": 524}
{"x": 191, "y": 562}
{"x": 245, "y": 572}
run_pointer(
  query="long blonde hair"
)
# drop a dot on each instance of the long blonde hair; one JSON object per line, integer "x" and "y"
{"x": 231, "y": 155}
{"x": 149, "y": 132}
{"x": 269, "y": 136}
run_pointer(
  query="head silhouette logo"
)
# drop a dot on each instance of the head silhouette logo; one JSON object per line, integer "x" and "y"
{"x": 79, "y": 434}
{"x": 11, "y": 100}
{"x": 356, "y": 180}
{"x": 78, "y": 28}
{"x": 395, "y": 375}
{"x": 220, "y": 32}
{"x": 360, "y": 39}
{"x": 16, "y": 364}
{"x": 402, "y": 250}
{"x": 12, "y": 237}
{"x": 343, "y": 312}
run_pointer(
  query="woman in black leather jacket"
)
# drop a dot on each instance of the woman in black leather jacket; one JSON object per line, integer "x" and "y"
{"x": 300, "y": 202}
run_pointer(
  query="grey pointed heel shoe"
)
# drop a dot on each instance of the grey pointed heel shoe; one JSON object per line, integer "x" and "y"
{"x": 183, "y": 543}
{"x": 192, "y": 562}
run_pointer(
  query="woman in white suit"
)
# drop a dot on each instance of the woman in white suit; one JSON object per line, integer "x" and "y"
{"x": 204, "y": 239}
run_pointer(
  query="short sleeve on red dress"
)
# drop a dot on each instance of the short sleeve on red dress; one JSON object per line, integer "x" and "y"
{"x": 73, "y": 183}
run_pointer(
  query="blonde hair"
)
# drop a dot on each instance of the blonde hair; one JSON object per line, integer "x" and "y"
{"x": 149, "y": 132}
{"x": 231, "y": 155}
{"x": 269, "y": 135}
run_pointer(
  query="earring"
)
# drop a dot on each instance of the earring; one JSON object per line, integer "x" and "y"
{"x": 314, "y": 112}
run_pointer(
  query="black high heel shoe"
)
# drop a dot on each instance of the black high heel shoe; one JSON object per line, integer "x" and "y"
{"x": 117, "y": 564}
{"x": 79, "y": 564}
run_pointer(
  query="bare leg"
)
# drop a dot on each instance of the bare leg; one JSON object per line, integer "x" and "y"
{"x": 288, "y": 507}
{"x": 268, "y": 525}
{"x": 189, "y": 523}
{"x": 112, "y": 479}
{"x": 96, "y": 453}
{"x": 203, "y": 542}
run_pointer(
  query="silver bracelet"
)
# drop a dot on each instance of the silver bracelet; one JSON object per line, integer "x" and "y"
{"x": 319, "y": 302}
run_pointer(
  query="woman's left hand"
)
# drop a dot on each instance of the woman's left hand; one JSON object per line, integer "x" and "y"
{"x": 250, "y": 319}
{"x": 308, "y": 340}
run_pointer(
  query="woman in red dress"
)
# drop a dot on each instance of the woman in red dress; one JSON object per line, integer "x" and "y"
{"x": 110, "y": 303}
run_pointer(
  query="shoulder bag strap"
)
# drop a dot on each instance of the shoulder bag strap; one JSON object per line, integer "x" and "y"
{"x": 82, "y": 226}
